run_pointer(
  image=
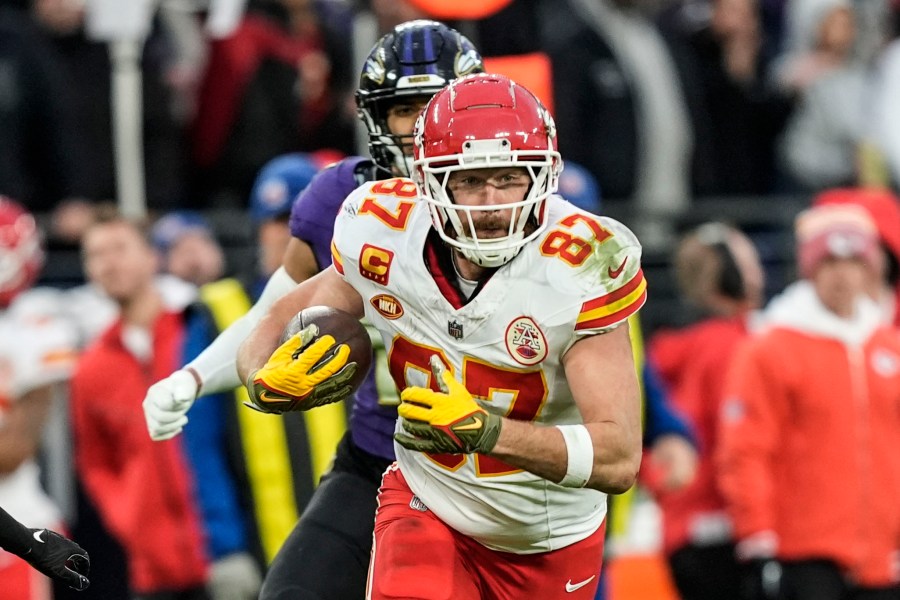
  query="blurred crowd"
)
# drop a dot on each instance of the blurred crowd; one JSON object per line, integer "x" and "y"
{"x": 661, "y": 100}
{"x": 790, "y": 404}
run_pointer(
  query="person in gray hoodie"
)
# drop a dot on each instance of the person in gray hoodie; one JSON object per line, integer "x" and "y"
{"x": 821, "y": 140}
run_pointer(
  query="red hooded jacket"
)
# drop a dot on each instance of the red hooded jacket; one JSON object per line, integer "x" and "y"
{"x": 141, "y": 488}
{"x": 693, "y": 362}
{"x": 810, "y": 428}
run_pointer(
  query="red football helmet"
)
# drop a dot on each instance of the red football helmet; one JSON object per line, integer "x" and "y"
{"x": 21, "y": 255}
{"x": 486, "y": 121}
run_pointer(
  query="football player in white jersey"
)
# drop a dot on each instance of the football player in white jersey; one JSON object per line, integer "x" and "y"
{"x": 37, "y": 352}
{"x": 504, "y": 310}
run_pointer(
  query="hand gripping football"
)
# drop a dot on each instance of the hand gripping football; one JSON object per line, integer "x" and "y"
{"x": 344, "y": 328}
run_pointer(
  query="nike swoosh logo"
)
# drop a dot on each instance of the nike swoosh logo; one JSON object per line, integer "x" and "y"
{"x": 37, "y": 535}
{"x": 614, "y": 273}
{"x": 470, "y": 426}
{"x": 266, "y": 398}
{"x": 571, "y": 587}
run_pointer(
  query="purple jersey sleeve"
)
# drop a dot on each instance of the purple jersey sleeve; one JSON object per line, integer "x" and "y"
{"x": 314, "y": 210}
{"x": 312, "y": 220}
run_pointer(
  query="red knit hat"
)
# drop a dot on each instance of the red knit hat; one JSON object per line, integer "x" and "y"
{"x": 840, "y": 230}
{"x": 881, "y": 204}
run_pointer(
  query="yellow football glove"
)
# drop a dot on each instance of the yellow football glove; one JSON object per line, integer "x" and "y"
{"x": 449, "y": 421}
{"x": 304, "y": 372}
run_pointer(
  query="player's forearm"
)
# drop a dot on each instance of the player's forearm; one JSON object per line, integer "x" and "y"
{"x": 215, "y": 366}
{"x": 22, "y": 427}
{"x": 262, "y": 340}
{"x": 14, "y": 537}
{"x": 326, "y": 289}
{"x": 542, "y": 450}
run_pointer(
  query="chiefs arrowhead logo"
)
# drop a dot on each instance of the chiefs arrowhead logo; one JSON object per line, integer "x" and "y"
{"x": 525, "y": 341}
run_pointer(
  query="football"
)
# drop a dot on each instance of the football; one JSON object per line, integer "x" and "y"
{"x": 345, "y": 329}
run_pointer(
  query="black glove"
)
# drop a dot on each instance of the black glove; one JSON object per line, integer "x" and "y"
{"x": 59, "y": 558}
{"x": 761, "y": 579}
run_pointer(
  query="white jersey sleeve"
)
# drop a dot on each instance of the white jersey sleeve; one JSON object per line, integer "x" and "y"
{"x": 610, "y": 283}
{"x": 37, "y": 346}
{"x": 389, "y": 205}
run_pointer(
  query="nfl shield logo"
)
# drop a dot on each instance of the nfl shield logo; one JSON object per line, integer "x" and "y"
{"x": 454, "y": 328}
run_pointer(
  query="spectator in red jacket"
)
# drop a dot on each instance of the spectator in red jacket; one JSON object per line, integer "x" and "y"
{"x": 719, "y": 273}
{"x": 808, "y": 460}
{"x": 142, "y": 489}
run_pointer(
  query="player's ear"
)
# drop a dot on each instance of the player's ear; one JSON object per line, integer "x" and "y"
{"x": 730, "y": 282}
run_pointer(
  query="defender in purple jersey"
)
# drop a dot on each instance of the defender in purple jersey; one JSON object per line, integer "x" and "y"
{"x": 312, "y": 223}
{"x": 327, "y": 554}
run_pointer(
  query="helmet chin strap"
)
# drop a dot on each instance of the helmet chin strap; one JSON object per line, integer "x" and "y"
{"x": 401, "y": 165}
{"x": 408, "y": 165}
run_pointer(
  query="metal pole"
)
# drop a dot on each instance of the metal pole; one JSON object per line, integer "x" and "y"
{"x": 365, "y": 34}
{"x": 126, "y": 99}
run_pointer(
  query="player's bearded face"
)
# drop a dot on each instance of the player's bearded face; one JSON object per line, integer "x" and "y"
{"x": 491, "y": 223}
{"x": 479, "y": 190}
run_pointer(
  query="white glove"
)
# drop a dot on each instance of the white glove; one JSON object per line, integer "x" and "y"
{"x": 234, "y": 577}
{"x": 167, "y": 402}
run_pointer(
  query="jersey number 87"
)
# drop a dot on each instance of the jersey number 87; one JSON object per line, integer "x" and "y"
{"x": 527, "y": 390}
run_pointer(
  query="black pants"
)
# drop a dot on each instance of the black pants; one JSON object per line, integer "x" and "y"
{"x": 326, "y": 556}
{"x": 822, "y": 580}
{"x": 706, "y": 572}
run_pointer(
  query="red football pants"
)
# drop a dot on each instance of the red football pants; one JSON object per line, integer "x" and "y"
{"x": 20, "y": 581}
{"x": 415, "y": 555}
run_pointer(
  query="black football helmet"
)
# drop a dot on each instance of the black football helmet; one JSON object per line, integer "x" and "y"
{"x": 416, "y": 59}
